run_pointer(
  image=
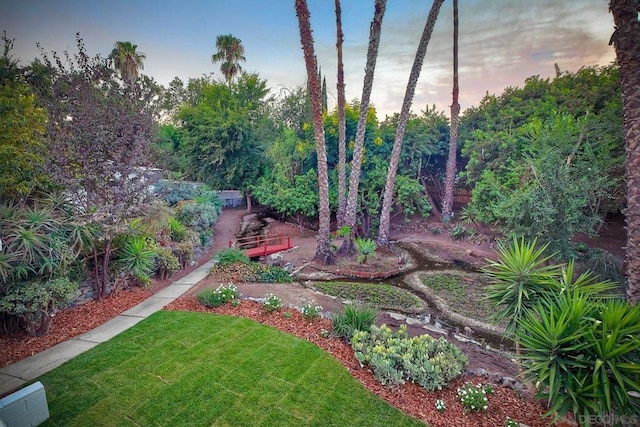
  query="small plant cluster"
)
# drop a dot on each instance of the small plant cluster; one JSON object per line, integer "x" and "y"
{"x": 220, "y": 296}
{"x": 365, "y": 248}
{"x": 310, "y": 311}
{"x": 440, "y": 405}
{"x": 511, "y": 423}
{"x": 396, "y": 358}
{"x": 271, "y": 303}
{"x": 352, "y": 320}
{"x": 474, "y": 397}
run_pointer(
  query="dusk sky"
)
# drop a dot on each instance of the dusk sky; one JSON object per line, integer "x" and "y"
{"x": 502, "y": 42}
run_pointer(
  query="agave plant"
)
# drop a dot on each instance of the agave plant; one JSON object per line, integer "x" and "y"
{"x": 136, "y": 258}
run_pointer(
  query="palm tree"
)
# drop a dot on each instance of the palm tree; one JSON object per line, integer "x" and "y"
{"x": 356, "y": 162}
{"x": 324, "y": 253}
{"x": 626, "y": 39}
{"x": 230, "y": 53}
{"x": 127, "y": 60}
{"x": 342, "y": 126}
{"x": 385, "y": 215}
{"x": 449, "y": 183}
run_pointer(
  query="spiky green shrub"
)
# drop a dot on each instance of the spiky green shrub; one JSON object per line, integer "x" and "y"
{"x": 583, "y": 354}
{"x": 352, "y": 319}
{"x": 177, "y": 230}
{"x": 230, "y": 256}
{"x": 365, "y": 248}
{"x": 135, "y": 258}
{"x": 396, "y": 358}
{"x": 521, "y": 275}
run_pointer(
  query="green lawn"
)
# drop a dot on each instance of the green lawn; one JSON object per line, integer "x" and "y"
{"x": 194, "y": 369}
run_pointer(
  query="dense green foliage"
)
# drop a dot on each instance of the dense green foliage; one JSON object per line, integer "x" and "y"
{"x": 395, "y": 358}
{"x": 222, "y": 134}
{"x": 22, "y": 147}
{"x": 180, "y": 368}
{"x": 545, "y": 161}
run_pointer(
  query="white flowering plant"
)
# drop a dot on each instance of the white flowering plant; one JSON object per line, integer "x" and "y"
{"x": 474, "y": 397}
{"x": 310, "y": 311}
{"x": 511, "y": 423}
{"x": 220, "y": 296}
{"x": 271, "y": 303}
{"x": 440, "y": 405}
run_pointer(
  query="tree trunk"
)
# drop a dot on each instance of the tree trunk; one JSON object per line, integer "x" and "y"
{"x": 385, "y": 215}
{"x": 96, "y": 267}
{"x": 449, "y": 183}
{"x": 626, "y": 39}
{"x": 324, "y": 253}
{"x": 342, "y": 128}
{"x": 356, "y": 162}
{"x": 104, "y": 289}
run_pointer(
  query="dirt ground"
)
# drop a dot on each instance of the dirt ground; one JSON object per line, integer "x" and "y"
{"x": 471, "y": 251}
{"x": 301, "y": 255}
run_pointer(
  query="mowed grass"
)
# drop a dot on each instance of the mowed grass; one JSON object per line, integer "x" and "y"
{"x": 195, "y": 369}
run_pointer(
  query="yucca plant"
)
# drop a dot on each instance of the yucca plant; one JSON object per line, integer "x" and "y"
{"x": 582, "y": 352}
{"x": 518, "y": 279}
{"x": 365, "y": 248}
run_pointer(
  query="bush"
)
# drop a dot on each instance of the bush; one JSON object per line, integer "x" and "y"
{"x": 200, "y": 217}
{"x": 351, "y": 320}
{"x": 166, "y": 263}
{"x": 271, "y": 274}
{"x": 184, "y": 252}
{"x": 220, "y": 296}
{"x": 175, "y": 192}
{"x": 396, "y": 358}
{"x": 230, "y": 256}
{"x": 458, "y": 232}
{"x": 32, "y": 304}
{"x": 271, "y": 303}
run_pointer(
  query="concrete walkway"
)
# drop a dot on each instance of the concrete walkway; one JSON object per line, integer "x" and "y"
{"x": 17, "y": 375}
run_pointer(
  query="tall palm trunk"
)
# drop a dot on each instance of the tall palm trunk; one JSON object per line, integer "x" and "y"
{"x": 626, "y": 39}
{"x": 324, "y": 253}
{"x": 449, "y": 183}
{"x": 356, "y": 162}
{"x": 342, "y": 128}
{"x": 387, "y": 201}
